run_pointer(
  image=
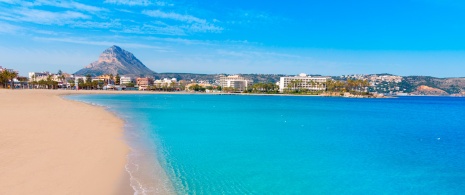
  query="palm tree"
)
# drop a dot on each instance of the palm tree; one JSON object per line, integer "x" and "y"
{"x": 297, "y": 85}
{"x": 117, "y": 79}
{"x": 9, "y": 76}
{"x": 49, "y": 81}
{"x": 88, "y": 81}
{"x": 62, "y": 79}
{"x": 2, "y": 79}
{"x": 71, "y": 82}
{"x": 33, "y": 82}
{"x": 111, "y": 79}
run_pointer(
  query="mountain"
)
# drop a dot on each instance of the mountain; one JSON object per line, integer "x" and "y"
{"x": 449, "y": 85}
{"x": 115, "y": 60}
{"x": 425, "y": 90}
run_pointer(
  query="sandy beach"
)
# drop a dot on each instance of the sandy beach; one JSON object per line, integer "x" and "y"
{"x": 49, "y": 145}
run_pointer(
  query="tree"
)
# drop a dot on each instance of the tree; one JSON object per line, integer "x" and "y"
{"x": 80, "y": 83}
{"x": 229, "y": 89}
{"x": 6, "y": 76}
{"x": 197, "y": 87}
{"x": 111, "y": 79}
{"x": 94, "y": 84}
{"x": 11, "y": 76}
{"x": 88, "y": 81}
{"x": 50, "y": 83}
{"x": 59, "y": 72}
{"x": 33, "y": 83}
{"x": 71, "y": 82}
{"x": 264, "y": 88}
{"x": 88, "y": 78}
{"x": 117, "y": 79}
{"x": 2, "y": 79}
{"x": 296, "y": 85}
{"x": 42, "y": 84}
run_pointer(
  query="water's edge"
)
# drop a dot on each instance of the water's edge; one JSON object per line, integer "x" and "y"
{"x": 146, "y": 175}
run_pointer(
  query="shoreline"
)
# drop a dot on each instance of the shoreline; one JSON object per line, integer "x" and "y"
{"x": 53, "y": 145}
{"x": 143, "y": 167}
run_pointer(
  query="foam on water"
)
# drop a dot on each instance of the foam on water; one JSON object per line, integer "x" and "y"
{"x": 207, "y": 144}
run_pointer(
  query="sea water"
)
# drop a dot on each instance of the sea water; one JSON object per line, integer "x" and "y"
{"x": 234, "y": 144}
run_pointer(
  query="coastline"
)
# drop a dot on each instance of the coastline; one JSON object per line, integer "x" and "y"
{"x": 51, "y": 145}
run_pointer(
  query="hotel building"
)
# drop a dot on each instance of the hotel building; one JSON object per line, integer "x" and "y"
{"x": 144, "y": 83}
{"x": 125, "y": 80}
{"x": 302, "y": 81}
{"x": 235, "y": 81}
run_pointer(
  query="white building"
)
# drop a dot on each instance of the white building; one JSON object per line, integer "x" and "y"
{"x": 302, "y": 81}
{"x": 125, "y": 80}
{"x": 38, "y": 76}
{"x": 76, "y": 81}
{"x": 165, "y": 82}
{"x": 235, "y": 81}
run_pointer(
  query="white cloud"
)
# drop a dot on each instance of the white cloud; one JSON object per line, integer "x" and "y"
{"x": 69, "y": 5}
{"x": 204, "y": 27}
{"x": 138, "y": 2}
{"x": 43, "y": 17}
{"x": 254, "y": 54}
{"x": 129, "y": 2}
{"x": 7, "y": 1}
{"x": 91, "y": 24}
{"x": 251, "y": 18}
{"x": 56, "y": 3}
{"x": 173, "y": 16}
{"x": 155, "y": 29}
{"x": 47, "y": 32}
{"x": 100, "y": 43}
{"x": 192, "y": 23}
{"x": 8, "y": 28}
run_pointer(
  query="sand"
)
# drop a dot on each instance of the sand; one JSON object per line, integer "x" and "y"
{"x": 49, "y": 145}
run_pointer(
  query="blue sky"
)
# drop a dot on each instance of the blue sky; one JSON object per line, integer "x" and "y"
{"x": 330, "y": 37}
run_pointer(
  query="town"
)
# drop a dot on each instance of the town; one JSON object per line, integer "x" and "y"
{"x": 118, "y": 69}
{"x": 302, "y": 84}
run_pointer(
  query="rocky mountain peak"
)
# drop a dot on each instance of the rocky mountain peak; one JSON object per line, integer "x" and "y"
{"x": 116, "y": 60}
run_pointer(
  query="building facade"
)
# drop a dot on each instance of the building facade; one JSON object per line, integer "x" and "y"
{"x": 235, "y": 81}
{"x": 125, "y": 80}
{"x": 302, "y": 81}
{"x": 38, "y": 76}
{"x": 144, "y": 83}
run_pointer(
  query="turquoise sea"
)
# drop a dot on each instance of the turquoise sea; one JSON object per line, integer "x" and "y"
{"x": 235, "y": 144}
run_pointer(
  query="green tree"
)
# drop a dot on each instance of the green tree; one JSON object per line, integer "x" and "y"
{"x": 80, "y": 83}
{"x": 71, "y": 82}
{"x": 88, "y": 81}
{"x": 3, "y": 79}
{"x": 229, "y": 89}
{"x": 88, "y": 78}
{"x": 111, "y": 79}
{"x": 42, "y": 84}
{"x": 117, "y": 79}
{"x": 94, "y": 84}
{"x": 8, "y": 76}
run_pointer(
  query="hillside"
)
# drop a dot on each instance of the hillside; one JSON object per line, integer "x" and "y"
{"x": 449, "y": 85}
{"x": 115, "y": 60}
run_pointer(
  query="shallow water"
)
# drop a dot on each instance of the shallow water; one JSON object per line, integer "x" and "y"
{"x": 214, "y": 144}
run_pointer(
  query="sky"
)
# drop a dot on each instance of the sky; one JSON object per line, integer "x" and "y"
{"x": 327, "y": 37}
